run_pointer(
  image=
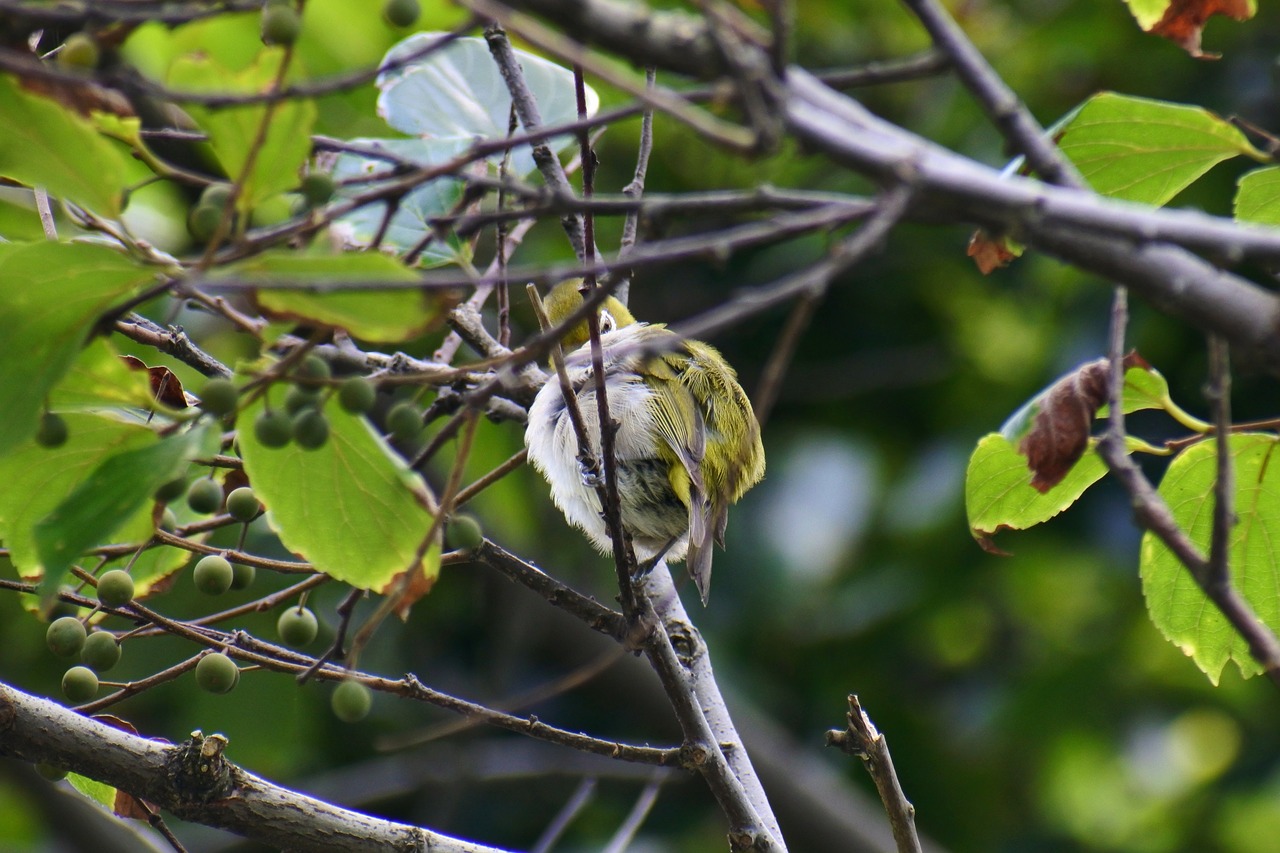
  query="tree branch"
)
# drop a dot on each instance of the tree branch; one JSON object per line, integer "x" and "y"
{"x": 35, "y": 729}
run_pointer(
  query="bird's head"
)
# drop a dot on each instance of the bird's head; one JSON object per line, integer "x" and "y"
{"x": 565, "y": 298}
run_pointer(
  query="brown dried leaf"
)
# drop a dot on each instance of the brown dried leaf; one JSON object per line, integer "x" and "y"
{"x": 165, "y": 385}
{"x": 1184, "y": 21}
{"x": 420, "y": 583}
{"x": 989, "y": 253}
{"x": 1060, "y": 432}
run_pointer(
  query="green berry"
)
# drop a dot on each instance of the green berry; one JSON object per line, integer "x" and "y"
{"x": 273, "y": 428}
{"x": 281, "y": 24}
{"x": 313, "y": 369}
{"x": 168, "y": 521}
{"x": 213, "y": 575}
{"x": 80, "y": 50}
{"x": 65, "y": 636}
{"x": 273, "y": 210}
{"x": 298, "y": 398}
{"x": 351, "y": 701}
{"x": 357, "y": 395}
{"x": 203, "y": 221}
{"x": 52, "y": 431}
{"x": 217, "y": 673}
{"x": 52, "y": 772}
{"x": 242, "y": 504}
{"x": 297, "y": 627}
{"x": 242, "y": 576}
{"x": 100, "y": 652}
{"x": 215, "y": 196}
{"x": 317, "y": 188}
{"x": 171, "y": 490}
{"x": 219, "y": 397}
{"x": 404, "y": 422}
{"x": 80, "y": 684}
{"x": 464, "y": 532}
{"x": 401, "y": 13}
{"x": 115, "y": 588}
{"x": 310, "y": 429}
{"x": 204, "y": 496}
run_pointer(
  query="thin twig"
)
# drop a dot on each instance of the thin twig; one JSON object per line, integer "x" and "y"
{"x": 582, "y": 795}
{"x": 635, "y": 190}
{"x": 46, "y": 214}
{"x": 1218, "y": 393}
{"x": 784, "y": 350}
{"x": 644, "y": 804}
{"x": 526, "y": 107}
{"x": 927, "y": 63}
{"x": 861, "y": 739}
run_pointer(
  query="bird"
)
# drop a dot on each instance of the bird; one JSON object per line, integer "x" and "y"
{"x": 687, "y": 444}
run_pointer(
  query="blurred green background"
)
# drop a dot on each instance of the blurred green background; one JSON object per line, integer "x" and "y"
{"x": 1028, "y": 702}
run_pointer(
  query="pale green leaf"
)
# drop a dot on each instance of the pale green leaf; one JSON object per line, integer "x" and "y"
{"x": 99, "y": 379}
{"x": 233, "y": 131}
{"x": 1258, "y": 196}
{"x": 100, "y": 792}
{"x": 37, "y": 479}
{"x": 1148, "y": 12}
{"x": 45, "y": 144}
{"x": 1145, "y": 150}
{"x": 53, "y": 294}
{"x": 412, "y": 219}
{"x": 352, "y": 508}
{"x": 998, "y": 492}
{"x": 1177, "y": 606}
{"x": 457, "y": 92}
{"x": 118, "y": 487}
{"x": 365, "y": 312}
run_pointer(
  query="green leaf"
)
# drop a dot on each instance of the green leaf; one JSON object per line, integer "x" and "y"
{"x": 1258, "y": 196}
{"x": 998, "y": 493}
{"x": 100, "y": 792}
{"x": 1175, "y": 602}
{"x": 1148, "y": 151}
{"x": 99, "y": 379}
{"x": 116, "y": 489}
{"x": 233, "y": 131}
{"x": 37, "y": 479}
{"x": 53, "y": 294}
{"x": 367, "y": 313}
{"x": 1148, "y": 12}
{"x": 352, "y": 507}
{"x": 47, "y": 145}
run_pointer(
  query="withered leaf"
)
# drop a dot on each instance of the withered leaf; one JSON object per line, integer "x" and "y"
{"x": 1060, "y": 431}
{"x": 165, "y": 385}
{"x": 1184, "y": 21}
{"x": 989, "y": 253}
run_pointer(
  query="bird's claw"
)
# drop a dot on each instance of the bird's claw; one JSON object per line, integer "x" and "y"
{"x": 590, "y": 469}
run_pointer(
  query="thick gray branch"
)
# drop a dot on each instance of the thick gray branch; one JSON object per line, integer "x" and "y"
{"x": 36, "y": 729}
{"x": 1115, "y": 239}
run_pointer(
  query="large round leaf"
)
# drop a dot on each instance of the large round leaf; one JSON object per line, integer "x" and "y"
{"x": 1177, "y": 606}
{"x": 352, "y": 508}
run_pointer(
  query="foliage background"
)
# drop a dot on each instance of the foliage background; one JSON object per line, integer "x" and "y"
{"x": 1029, "y": 703}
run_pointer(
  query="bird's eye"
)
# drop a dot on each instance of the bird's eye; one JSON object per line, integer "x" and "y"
{"x": 607, "y": 323}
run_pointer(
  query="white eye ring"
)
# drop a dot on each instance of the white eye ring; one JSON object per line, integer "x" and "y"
{"x": 607, "y": 322}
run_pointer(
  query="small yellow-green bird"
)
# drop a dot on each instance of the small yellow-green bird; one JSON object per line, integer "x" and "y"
{"x": 687, "y": 446}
